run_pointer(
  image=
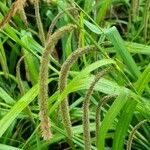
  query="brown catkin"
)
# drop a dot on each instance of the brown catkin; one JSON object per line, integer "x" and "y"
{"x": 11, "y": 13}
{"x": 23, "y": 15}
{"x": 129, "y": 143}
{"x": 43, "y": 77}
{"x": 75, "y": 15}
{"x": 39, "y": 22}
{"x": 98, "y": 112}
{"x": 15, "y": 6}
{"x": 59, "y": 34}
{"x": 63, "y": 82}
{"x": 86, "y": 101}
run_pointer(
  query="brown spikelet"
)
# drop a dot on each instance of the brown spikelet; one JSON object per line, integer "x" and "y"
{"x": 59, "y": 34}
{"x": 86, "y": 101}
{"x": 54, "y": 21}
{"x": 129, "y": 143}
{"x": 69, "y": 62}
{"x": 11, "y": 13}
{"x": 98, "y": 112}
{"x": 39, "y": 22}
{"x": 74, "y": 14}
{"x": 43, "y": 76}
{"x": 135, "y": 9}
{"x": 45, "y": 124}
{"x": 63, "y": 82}
{"x": 22, "y": 12}
{"x": 15, "y": 6}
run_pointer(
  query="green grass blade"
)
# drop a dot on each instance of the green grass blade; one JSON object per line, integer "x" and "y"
{"x": 32, "y": 67}
{"x": 118, "y": 43}
{"x": 6, "y": 121}
{"x": 143, "y": 80}
{"x": 20, "y": 105}
{"x": 109, "y": 118}
{"x": 7, "y": 147}
{"x": 8, "y": 99}
{"x": 102, "y": 11}
{"x": 92, "y": 27}
{"x": 78, "y": 80}
{"x": 3, "y": 60}
{"x": 123, "y": 124}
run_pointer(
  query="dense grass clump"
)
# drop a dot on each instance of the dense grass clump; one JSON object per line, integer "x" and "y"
{"x": 74, "y": 74}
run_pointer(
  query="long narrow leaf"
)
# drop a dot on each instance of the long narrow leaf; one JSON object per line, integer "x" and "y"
{"x": 118, "y": 43}
{"x": 123, "y": 124}
{"x": 109, "y": 118}
{"x": 143, "y": 80}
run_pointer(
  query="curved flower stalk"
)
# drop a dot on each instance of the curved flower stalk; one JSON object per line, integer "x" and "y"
{"x": 130, "y": 139}
{"x": 17, "y": 5}
{"x": 21, "y": 87}
{"x": 43, "y": 76}
{"x": 63, "y": 82}
{"x": 98, "y": 112}
{"x": 86, "y": 101}
{"x": 54, "y": 21}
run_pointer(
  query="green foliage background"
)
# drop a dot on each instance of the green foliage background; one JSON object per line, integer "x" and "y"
{"x": 118, "y": 30}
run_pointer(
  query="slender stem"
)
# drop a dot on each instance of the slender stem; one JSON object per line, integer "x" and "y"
{"x": 130, "y": 139}
{"x": 98, "y": 112}
{"x": 21, "y": 87}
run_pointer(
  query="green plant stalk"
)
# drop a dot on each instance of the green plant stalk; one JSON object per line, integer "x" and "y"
{"x": 3, "y": 60}
{"x": 43, "y": 77}
{"x": 102, "y": 11}
{"x": 86, "y": 101}
{"x": 98, "y": 112}
{"x": 4, "y": 65}
{"x": 21, "y": 87}
{"x": 63, "y": 82}
{"x": 81, "y": 41}
{"x": 146, "y": 19}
